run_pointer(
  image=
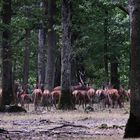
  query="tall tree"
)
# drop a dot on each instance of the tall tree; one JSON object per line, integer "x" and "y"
{"x": 7, "y": 88}
{"x": 26, "y": 58}
{"x": 133, "y": 125}
{"x": 65, "y": 99}
{"x": 50, "y": 72}
{"x": 41, "y": 51}
{"x": 41, "y": 56}
{"x": 106, "y": 44}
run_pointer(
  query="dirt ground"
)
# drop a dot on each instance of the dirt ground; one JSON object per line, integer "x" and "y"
{"x": 55, "y": 124}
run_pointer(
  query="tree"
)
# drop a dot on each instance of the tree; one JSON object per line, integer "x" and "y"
{"x": 65, "y": 99}
{"x": 7, "y": 82}
{"x": 41, "y": 51}
{"x": 57, "y": 79}
{"x": 115, "y": 82}
{"x": 50, "y": 72}
{"x": 92, "y": 30}
{"x": 133, "y": 124}
{"x": 41, "y": 56}
{"x": 106, "y": 44}
{"x": 26, "y": 59}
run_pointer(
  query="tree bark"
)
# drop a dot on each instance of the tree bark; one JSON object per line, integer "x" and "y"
{"x": 106, "y": 45}
{"x": 50, "y": 72}
{"x": 65, "y": 99}
{"x": 129, "y": 72}
{"x": 115, "y": 82}
{"x": 74, "y": 75}
{"x": 41, "y": 56}
{"x": 41, "y": 53}
{"x": 0, "y": 61}
{"x": 7, "y": 86}
{"x": 57, "y": 79}
{"x": 26, "y": 59}
{"x": 133, "y": 125}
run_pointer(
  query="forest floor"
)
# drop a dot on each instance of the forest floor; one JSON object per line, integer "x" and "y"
{"x": 55, "y": 124}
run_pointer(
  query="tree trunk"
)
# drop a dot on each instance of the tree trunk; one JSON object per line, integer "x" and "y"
{"x": 26, "y": 59}
{"x": 7, "y": 89}
{"x": 133, "y": 125}
{"x": 115, "y": 82}
{"x": 13, "y": 82}
{"x": 0, "y": 61}
{"x": 41, "y": 56}
{"x": 65, "y": 99}
{"x": 106, "y": 45}
{"x": 129, "y": 72}
{"x": 41, "y": 53}
{"x": 74, "y": 78}
{"x": 57, "y": 78}
{"x": 50, "y": 72}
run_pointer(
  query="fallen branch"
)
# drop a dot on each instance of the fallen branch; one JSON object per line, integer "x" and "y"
{"x": 65, "y": 133}
{"x": 18, "y": 131}
{"x": 67, "y": 125}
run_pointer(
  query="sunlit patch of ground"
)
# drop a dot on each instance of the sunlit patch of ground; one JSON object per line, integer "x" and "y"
{"x": 100, "y": 124}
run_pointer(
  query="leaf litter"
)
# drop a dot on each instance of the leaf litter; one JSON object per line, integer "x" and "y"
{"x": 64, "y": 125}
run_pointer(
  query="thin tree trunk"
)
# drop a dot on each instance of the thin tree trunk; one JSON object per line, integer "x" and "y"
{"x": 133, "y": 125}
{"x": 7, "y": 89}
{"x": 106, "y": 45}
{"x": 74, "y": 78}
{"x": 50, "y": 72}
{"x": 57, "y": 78}
{"x": 41, "y": 56}
{"x": 26, "y": 59}
{"x": 66, "y": 100}
{"x": 14, "y": 82}
{"x": 115, "y": 82}
{"x": 129, "y": 72}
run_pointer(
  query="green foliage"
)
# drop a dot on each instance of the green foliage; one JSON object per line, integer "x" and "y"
{"x": 89, "y": 44}
{"x": 88, "y": 21}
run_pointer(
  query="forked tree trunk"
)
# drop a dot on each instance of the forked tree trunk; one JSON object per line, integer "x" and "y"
{"x": 26, "y": 59}
{"x": 7, "y": 89}
{"x": 50, "y": 72}
{"x": 133, "y": 125}
{"x": 65, "y": 99}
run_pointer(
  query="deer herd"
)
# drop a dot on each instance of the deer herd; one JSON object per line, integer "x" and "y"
{"x": 81, "y": 96}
